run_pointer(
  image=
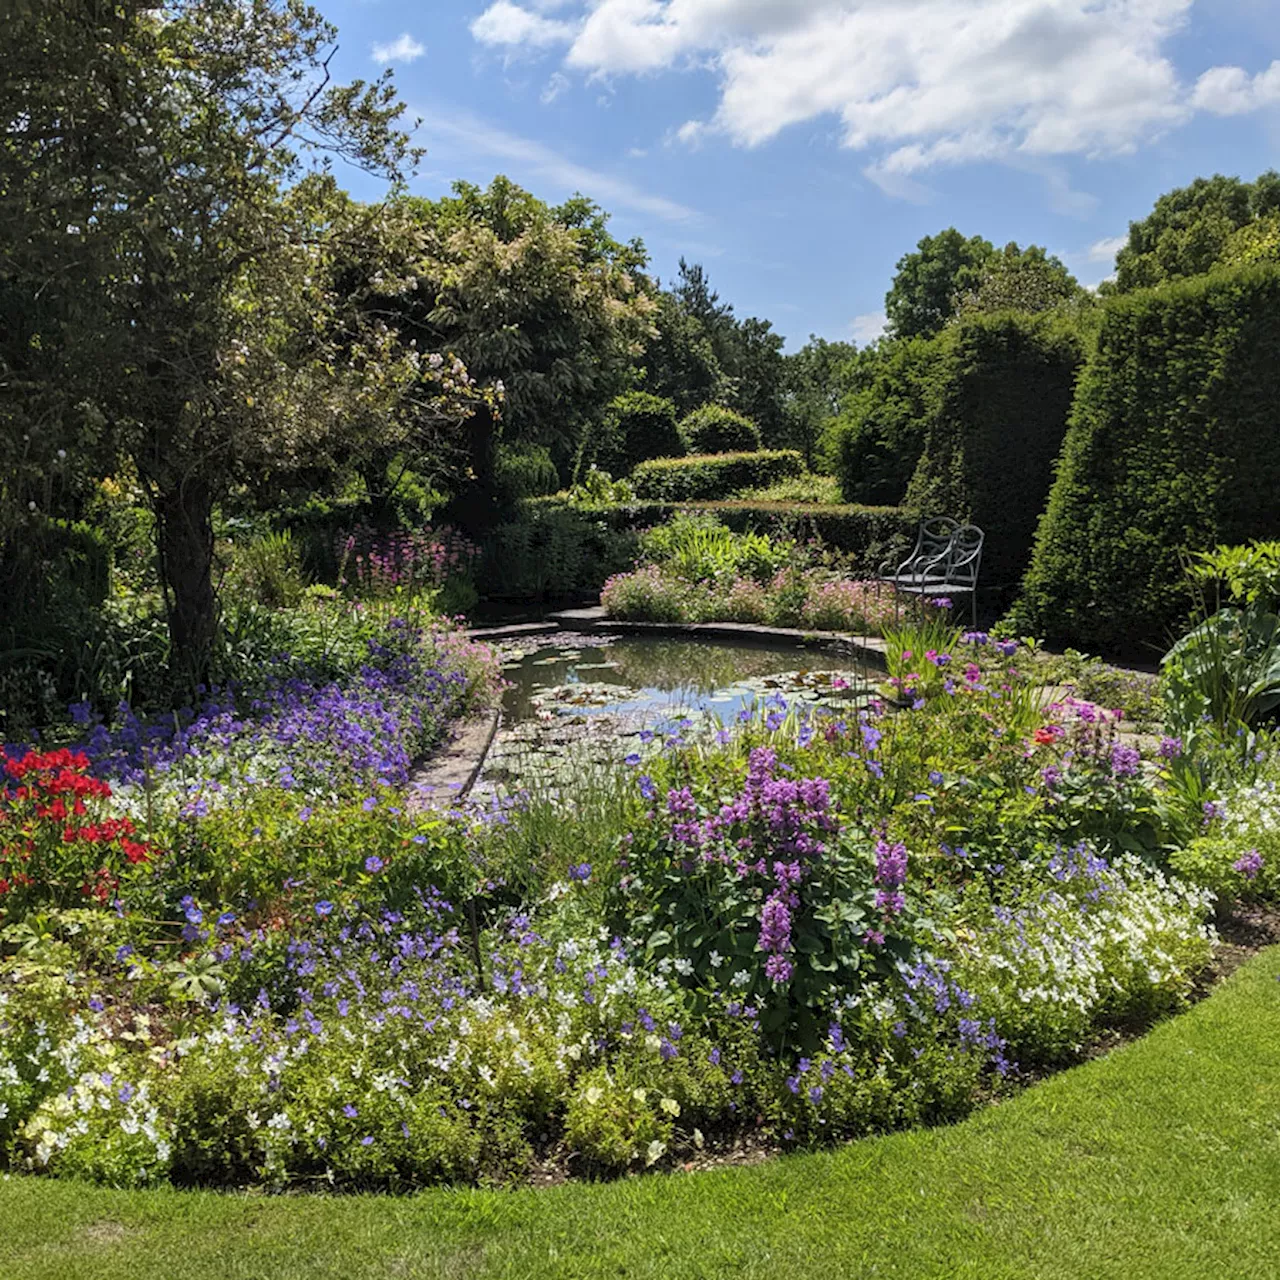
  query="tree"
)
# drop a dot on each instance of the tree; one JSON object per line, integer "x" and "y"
{"x": 540, "y": 301}
{"x": 679, "y": 362}
{"x": 1015, "y": 279}
{"x": 1189, "y": 229}
{"x": 922, "y": 296}
{"x": 154, "y": 173}
{"x": 815, "y": 384}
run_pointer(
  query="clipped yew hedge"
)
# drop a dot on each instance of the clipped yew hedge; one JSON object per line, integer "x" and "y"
{"x": 717, "y": 475}
{"x": 866, "y": 535}
{"x": 1174, "y": 445}
{"x": 1004, "y": 388}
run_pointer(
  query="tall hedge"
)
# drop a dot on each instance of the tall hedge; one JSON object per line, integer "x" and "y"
{"x": 876, "y": 442}
{"x": 1004, "y": 386}
{"x": 1174, "y": 444}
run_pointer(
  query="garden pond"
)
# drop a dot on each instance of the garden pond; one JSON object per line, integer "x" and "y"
{"x": 576, "y": 697}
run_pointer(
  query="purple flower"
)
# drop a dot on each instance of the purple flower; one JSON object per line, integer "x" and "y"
{"x": 632, "y": 759}
{"x": 324, "y": 907}
{"x": 647, "y": 789}
{"x": 1249, "y": 865}
{"x": 350, "y": 1112}
{"x": 1125, "y": 761}
{"x": 369, "y": 804}
{"x": 373, "y": 864}
{"x": 581, "y": 872}
{"x": 1170, "y": 748}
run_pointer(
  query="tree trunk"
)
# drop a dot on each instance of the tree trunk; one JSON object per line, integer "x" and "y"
{"x": 184, "y": 519}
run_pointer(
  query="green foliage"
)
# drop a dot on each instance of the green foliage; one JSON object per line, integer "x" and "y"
{"x": 816, "y": 382}
{"x": 1025, "y": 280}
{"x": 713, "y": 475}
{"x": 922, "y": 297}
{"x": 1003, "y": 386}
{"x": 1194, "y": 228}
{"x": 804, "y": 490}
{"x": 1168, "y": 451}
{"x": 714, "y": 429}
{"x": 636, "y": 426}
{"x": 1250, "y": 574}
{"x": 1224, "y": 674}
{"x": 695, "y": 546}
{"x": 267, "y": 567}
{"x": 539, "y": 299}
{"x": 523, "y": 471}
{"x": 878, "y": 438}
{"x": 552, "y": 552}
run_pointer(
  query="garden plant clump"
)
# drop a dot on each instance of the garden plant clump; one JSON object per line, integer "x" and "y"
{"x": 695, "y": 569}
{"x": 232, "y": 961}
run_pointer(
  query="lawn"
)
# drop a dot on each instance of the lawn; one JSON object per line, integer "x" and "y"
{"x": 1160, "y": 1160}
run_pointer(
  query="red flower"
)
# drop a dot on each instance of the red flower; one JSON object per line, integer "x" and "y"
{"x": 1045, "y": 737}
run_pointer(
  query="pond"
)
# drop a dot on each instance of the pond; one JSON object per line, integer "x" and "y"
{"x": 575, "y": 698}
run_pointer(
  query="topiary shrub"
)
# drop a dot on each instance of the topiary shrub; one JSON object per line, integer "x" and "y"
{"x": 1003, "y": 391}
{"x": 1174, "y": 445}
{"x": 717, "y": 475}
{"x": 715, "y": 429}
{"x": 635, "y": 426}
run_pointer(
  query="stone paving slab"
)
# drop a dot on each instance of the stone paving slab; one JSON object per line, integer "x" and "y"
{"x": 447, "y": 775}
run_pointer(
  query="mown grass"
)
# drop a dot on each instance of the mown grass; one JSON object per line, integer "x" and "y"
{"x": 1161, "y": 1160}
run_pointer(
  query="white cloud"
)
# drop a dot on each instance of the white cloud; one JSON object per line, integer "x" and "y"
{"x": 915, "y": 84}
{"x": 477, "y": 137}
{"x": 404, "y": 49}
{"x": 509, "y": 24}
{"x": 1106, "y": 250}
{"x": 554, "y": 87}
{"x": 1231, "y": 91}
{"x": 867, "y": 328}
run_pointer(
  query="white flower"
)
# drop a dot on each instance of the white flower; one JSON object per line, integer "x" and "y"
{"x": 716, "y": 959}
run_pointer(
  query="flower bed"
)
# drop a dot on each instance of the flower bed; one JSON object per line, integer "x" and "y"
{"x": 811, "y": 925}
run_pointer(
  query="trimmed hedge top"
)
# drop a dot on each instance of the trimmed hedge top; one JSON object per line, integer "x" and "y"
{"x": 717, "y": 475}
{"x": 715, "y": 429}
{"x": 1174, "y": 445}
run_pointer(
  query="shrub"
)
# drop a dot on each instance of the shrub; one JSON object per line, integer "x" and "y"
{"x": 715, "y": 429}
{"x": 1172, "y": 446}
{"x": 713, "y": 475}
{"x": 636, "y": 426}
{"x": 1004, "y": 386}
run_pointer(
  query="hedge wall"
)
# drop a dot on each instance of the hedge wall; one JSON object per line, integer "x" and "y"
{"x": 1174, "y": 444}
{"x": 876, "y": 442}
{"x": 1004, "y": 390}
{"x": 717, "y": 475}
{"x": 867, "y": 535}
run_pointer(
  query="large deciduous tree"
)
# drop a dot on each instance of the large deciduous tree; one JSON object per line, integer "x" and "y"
{"x": 541, "y": 300}
{"x": 181, "y": 266}
{"x": 1191, "y": 229}
{"x": 923, "y": 294}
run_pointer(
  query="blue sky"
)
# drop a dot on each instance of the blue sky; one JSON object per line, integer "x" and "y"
{"x": 797, "y": 148}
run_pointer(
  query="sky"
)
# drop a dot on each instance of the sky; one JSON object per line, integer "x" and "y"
{"x": 798, "y": 148}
